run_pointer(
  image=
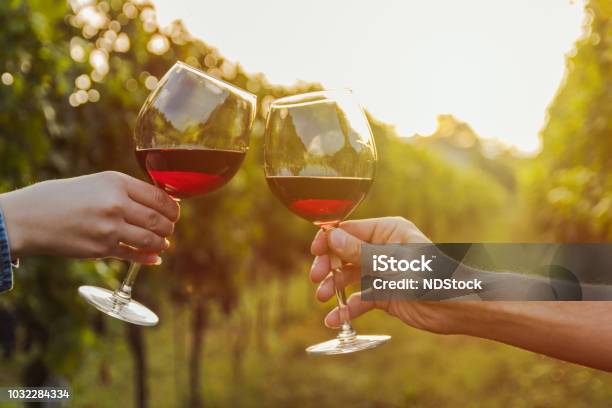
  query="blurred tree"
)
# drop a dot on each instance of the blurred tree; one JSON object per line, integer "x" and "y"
{"x": 36, "y": 73}
{"x": 571, "y": 181}
{"x": 449, "y": 199}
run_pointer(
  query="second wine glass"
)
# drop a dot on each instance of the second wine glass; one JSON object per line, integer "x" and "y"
{"x": 320, "y": 161}
{"x": 191, "y": 137}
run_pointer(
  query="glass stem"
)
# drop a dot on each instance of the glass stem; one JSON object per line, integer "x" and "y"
{"x": 124, "y": 293}
{"x": 347, "y": 333}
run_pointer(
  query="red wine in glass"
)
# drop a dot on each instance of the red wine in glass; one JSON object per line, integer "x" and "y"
{"x": 186, "y": 172}
{"x": 320, "y": 200}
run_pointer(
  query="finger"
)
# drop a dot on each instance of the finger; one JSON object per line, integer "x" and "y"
{"x": 147, "y": 218}
{"x": 319, "y": 243}
{"x": 356, "y": 307}
{"x": 327, "y": 288}
{"x": 153, "y": 197}
{"x": 320, "y": 268}
{"x": 344, "y": 245}
{"x": 385, "y": 230}
{"x": 142, "y": 239}
{"x": 362, "y": 229}
{"x": 134, "y": 255}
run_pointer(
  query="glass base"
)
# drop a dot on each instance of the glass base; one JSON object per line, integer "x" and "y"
{"x": 127, "y": 310}
{"x": 350, "y": 345}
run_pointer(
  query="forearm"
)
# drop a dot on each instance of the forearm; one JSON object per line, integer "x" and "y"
{"x": 579, "y": 332}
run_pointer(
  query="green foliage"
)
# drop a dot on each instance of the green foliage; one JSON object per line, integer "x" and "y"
{"x": 448, "y": 201}
{"x": 571, "y": 183}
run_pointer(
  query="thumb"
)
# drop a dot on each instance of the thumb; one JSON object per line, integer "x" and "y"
{"x": 344, "y": 245}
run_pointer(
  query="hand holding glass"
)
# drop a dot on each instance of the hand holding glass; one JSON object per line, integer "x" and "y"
{"x": 320, "y": 161}
{"x": 191, "y": 137}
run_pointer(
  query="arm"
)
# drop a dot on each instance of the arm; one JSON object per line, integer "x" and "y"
{"x": 580, "y": 332}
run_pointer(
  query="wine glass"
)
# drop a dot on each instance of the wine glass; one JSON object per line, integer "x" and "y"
{"x": 320, "y": 160}
{"x": 191, "y": 137}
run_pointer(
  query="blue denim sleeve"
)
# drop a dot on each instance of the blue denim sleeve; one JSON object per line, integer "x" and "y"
{"x": 6, "y": 265}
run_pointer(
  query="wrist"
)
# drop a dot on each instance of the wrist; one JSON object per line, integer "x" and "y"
{"x": 17, "y": 236}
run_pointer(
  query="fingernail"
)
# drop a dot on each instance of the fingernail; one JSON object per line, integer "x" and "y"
{"x": 337, "y": 239}
{"x": 327, "y": 319}
{"x": 158, "y": 260}
{"x": 167, "y": 242}
{"x": 319, "y": 292}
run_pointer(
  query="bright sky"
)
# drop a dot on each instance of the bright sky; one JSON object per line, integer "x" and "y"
{"x": 493, "y": 64}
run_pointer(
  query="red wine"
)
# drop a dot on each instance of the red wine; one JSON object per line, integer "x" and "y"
{"x": 188, "y": 172}
{"x": 321, "y": 200}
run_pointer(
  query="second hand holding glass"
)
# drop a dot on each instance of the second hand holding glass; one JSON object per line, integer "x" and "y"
{"x": 320, "y": 160}
{"x": 191, "y": 137}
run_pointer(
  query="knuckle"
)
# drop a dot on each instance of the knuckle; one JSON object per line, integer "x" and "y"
{"x": 397, "y": 219}
{"x": 110, "y": 173}
{"x": 113, "y": 176}
{"x": 159, "y": 196}
{"x": 114, "y": 204}
{"x": 147, "y": 241}
{"x": 403, "y": 222}
{"x": 389, "y": 223}
{"x": 153, "y": 220}
{"x": 107, "y": 232}
{"x": 152, "y": 242}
